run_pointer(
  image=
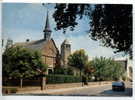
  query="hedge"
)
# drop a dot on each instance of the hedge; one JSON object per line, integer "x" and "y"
{"x": 9, "y": 90}
{"x": 52, "y": 79}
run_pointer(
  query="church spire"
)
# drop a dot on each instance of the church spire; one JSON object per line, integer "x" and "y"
{"x": 47, "y": 31}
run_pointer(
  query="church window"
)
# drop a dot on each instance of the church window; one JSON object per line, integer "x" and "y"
{"x": 67, "y": 46}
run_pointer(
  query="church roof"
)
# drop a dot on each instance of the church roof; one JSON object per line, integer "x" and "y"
{"x": 35, "y": 45}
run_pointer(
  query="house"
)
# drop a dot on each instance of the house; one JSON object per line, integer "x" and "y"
{"x": 127, "y": 64}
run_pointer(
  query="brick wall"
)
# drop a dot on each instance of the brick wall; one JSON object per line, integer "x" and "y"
{"x": 50, "y": 53}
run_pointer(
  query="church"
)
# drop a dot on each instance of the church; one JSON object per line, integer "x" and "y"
{"x": 50, "y": 53}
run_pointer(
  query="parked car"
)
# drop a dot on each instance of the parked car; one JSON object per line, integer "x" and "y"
{"x": 118, "y": 86}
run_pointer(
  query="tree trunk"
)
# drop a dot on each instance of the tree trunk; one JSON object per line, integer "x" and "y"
{"x": 43, "y": 83}
{"x": 21, "y": 82}
{"x": 80, "y": 73}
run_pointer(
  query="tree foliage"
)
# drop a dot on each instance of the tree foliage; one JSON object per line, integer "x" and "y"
{"x": 89, "y": 69}
{"x": 112, "y": 24}
{"x": 78, "y": 59}
{"x": 66, "y": 14}
{"x": 19, "y": 62}
{"x": 107, "y": 69}
{"x": 109, "y": 23}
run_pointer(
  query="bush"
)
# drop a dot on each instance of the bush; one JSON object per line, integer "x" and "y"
{"x": 124, "y": 78}
{"x": 9, "y": 90}
{"x": 70, "y": 71}
{"x": 52, "y": 79}
{"x": 64, "y": 71}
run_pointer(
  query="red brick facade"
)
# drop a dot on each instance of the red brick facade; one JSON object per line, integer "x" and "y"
{"x": 50, "y": 54}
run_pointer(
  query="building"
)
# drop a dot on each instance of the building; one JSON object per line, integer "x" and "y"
{"x": 65, "y": 52}
{"x": 130, "y": 69}
{"x": 48, "y": 49}
{"x": 127, "y": 65}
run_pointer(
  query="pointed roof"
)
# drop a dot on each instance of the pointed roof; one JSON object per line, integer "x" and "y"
{"x": 47, "y": 25}
{"x": 66, "y": 41}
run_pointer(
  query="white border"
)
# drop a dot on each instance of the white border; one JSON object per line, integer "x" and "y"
{"x": 76, "y": 97}
{"x": 75, "y": 1}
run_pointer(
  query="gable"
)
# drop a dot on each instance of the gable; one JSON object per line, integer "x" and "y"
{"x": 50, "y": 49}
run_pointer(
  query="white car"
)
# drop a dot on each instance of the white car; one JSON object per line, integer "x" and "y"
{"x": 118, "y": 86}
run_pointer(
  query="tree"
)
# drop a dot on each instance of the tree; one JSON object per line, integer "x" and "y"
{"x": 78, "y": 60}
{"x": 112, "y": 24}
{"x": 19, "y": 62}
{"x": 65, "y": 15}
{"x": 107, "y": 69}
{"x": 98, "y": 65}
{"x": 89, "y": 69}
{"x": 109, "y": 23}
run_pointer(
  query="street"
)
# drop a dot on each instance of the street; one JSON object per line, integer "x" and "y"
{"x": 99, "y": 90}
{"x": 90, "y": 90}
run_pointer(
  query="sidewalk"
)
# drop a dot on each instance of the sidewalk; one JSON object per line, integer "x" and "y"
{"x": 54, "y": 88}
{"x": 53, "y": 91}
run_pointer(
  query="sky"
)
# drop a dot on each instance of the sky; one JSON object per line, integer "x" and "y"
{"x": 21, "y": 21}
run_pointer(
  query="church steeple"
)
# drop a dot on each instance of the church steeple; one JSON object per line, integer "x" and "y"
{"x": 47, "y": 31}
{"x": 65, "y": 52}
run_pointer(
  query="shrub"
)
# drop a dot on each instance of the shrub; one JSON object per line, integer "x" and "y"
{"x": 9, "y": 90}
{"x": 64, "y": 71}
{"x": 124, "y": 78}
{"x": 52, "y": 79}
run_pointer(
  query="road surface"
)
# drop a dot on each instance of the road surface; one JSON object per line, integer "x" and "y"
{"x": 99, "y": 90}
{"x": 90, "y": 90}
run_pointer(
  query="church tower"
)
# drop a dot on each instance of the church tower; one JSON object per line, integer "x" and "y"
{"x": 47, "y": 31}
{"x": 65, "y": 52}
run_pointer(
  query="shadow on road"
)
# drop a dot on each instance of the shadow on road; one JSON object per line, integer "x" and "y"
{"x": 127, "y": 92}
